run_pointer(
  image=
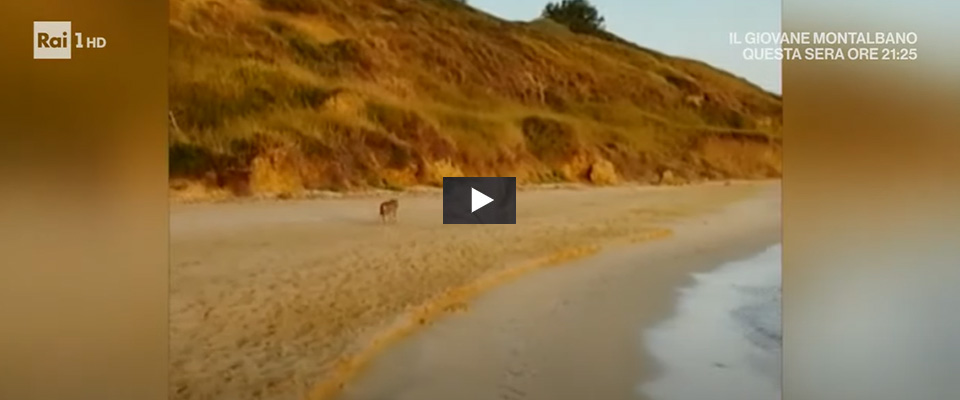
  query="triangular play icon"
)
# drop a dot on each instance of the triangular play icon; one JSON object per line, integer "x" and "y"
{"x": 478, "y": 200}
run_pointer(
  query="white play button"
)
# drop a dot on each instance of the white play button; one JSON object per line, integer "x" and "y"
{"x": 478, "y": 200}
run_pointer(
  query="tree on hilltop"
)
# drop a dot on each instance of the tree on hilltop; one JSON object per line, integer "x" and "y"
{"x": 578, "y": 15}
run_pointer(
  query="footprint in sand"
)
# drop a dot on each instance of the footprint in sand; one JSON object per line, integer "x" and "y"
{"x": 516, "y": 371}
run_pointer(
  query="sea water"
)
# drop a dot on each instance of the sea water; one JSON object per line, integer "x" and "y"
{"x": 724, "y": 341}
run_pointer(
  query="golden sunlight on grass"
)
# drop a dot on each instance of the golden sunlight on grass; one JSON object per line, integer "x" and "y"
{"x": 389, "y": 93}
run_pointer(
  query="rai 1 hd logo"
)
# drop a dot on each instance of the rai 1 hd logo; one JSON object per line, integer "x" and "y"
{"x": 55, "y": 40}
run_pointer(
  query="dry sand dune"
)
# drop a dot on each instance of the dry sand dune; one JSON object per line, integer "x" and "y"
{"x": 286, "y": 300}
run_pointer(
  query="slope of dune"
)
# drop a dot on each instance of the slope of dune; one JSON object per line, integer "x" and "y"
{"x": 282, "y": 96}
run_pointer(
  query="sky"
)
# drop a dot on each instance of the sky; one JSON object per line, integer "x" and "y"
{"x": 697, "y": 29}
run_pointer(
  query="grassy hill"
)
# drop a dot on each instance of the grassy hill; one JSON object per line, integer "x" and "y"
{"x": 279, "y": 96}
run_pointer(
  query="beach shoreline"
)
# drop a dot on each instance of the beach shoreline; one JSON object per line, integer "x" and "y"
{"x": 569, "y": 332}
{"x": 724, "y": 334}
{"x": 270, "y": 299}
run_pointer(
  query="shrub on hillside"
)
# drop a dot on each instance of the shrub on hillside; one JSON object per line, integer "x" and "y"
{"x": 578, "y": 15}
{"x": 549, "y": 139}
{"x": 189, "y": 160}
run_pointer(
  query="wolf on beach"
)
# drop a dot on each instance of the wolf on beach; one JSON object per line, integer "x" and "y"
{"x": 388, "y": 210}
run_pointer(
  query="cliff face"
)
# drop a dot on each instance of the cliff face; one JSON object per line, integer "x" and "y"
{"x": 277, "y": 96}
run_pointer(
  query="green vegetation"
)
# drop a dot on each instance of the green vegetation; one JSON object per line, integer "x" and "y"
{"x": 286, "y": 95}
{"x": 578, "y": 15}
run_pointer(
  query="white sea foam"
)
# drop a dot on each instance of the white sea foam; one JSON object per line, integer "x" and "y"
{"x": 724, "y": 341}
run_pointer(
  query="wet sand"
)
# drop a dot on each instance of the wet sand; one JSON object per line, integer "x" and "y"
{"x": 289, "y": 300}
{"x": 582, "y": 330}
{"x": 725, "y": 335}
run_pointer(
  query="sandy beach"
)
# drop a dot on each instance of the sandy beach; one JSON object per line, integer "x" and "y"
{"x": 300, "y": 299}
{"x": 606, "y": 327}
